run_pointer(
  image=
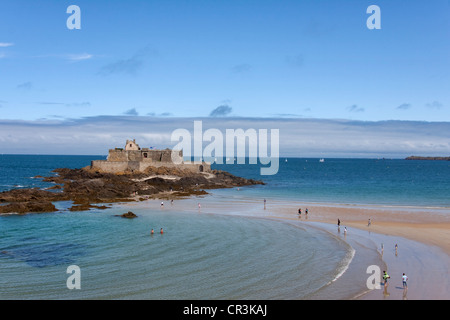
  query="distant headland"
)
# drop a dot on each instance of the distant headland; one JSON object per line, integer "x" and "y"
{"x": 427, "y": 158}
{"x": 129, "y": 174}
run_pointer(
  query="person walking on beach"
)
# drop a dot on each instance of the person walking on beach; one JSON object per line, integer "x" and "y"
{"x": 385, "y": 278}
{"x": 368, "y": 223}
{"x": 339, "y": 222}
{"x": 404, "y": 279}
{"x": 299, "y": 211}
{"x": 396, "y": 249}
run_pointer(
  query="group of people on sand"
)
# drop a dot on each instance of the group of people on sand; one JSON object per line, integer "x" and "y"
{"x": 404, "y": 280}
{"x": 385, "y": 275}
{"x": 300, "y": 212}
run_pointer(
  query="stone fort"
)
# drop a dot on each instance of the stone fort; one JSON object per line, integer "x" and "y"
{"x": 133, "y": 158}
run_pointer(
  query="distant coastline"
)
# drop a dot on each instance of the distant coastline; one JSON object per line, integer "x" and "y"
{"x": 427, "y": 158}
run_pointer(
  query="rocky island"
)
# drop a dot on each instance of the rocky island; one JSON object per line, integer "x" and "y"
{"x": 427, "y": 158}
{"x": 130, "y": 178}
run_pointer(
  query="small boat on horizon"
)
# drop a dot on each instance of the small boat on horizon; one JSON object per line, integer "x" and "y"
{"x": 322, "y": 160}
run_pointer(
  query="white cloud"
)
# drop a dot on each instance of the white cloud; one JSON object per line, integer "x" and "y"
{"x": 6, "y": 44}
{"x": 298, "y": 137}
{"x": 79, "y": 57}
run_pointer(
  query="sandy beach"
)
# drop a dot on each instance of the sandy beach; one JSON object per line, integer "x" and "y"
{"x": 430, "y": 226}
{"x": 421, "y": 234}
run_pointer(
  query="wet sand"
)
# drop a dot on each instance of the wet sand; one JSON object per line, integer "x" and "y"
{"x": 422, "y": 236}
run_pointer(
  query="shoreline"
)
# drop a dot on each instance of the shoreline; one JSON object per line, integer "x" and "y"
{"x": 424, "y": 240}
{"x": 430, "y": 225}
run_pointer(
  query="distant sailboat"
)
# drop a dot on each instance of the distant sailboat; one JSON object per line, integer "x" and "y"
{"x": 285, "y": 160}
{"x": 322, "y": 160}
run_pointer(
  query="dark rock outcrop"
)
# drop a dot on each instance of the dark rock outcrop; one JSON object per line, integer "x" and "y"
{"x": 128, "y": 215}
{"x": 86, "y": 187}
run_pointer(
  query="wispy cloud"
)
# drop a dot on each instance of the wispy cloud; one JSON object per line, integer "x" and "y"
{"x": 66, "y": 104}
{"x": 6, "y": 44}
{"x": 221, "y": 111}
{"x": 72, "y": 57}
{"x": 131, "y": 112}
{"x": 241, "y": 68}
{"x": 404, "y": 106}
{"x": 434, "y": 105}
{"x": 355, "y": 108}
{"x": 79, "y": 57}
{"x": 287, "y": 115}
{"x": 25, "y": 86}
{"x": 164, "y": 114}
{"x": 129, "y": 66}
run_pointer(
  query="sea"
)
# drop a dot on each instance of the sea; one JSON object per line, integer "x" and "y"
{"x": 218, "y": 251}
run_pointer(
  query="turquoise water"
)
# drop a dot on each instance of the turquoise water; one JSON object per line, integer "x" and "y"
{"x": 360, "y": 181}
{"x": 213, "y": 254}
{"x": 198, "y": 256}
{"x": 354, "y": 181}
{"x": 18, "y": 171}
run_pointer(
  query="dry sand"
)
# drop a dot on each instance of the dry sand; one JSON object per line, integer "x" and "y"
{"x": 430, "y": 226}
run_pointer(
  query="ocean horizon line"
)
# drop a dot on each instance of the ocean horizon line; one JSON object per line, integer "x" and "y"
{"x": 280, "y": 157}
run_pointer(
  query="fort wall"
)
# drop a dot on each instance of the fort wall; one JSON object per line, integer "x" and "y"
{"x": 138, "y": 166}
{"x": 135, "y": 159}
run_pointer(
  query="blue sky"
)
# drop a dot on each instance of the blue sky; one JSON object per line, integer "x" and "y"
{"x": 245, "y": 59}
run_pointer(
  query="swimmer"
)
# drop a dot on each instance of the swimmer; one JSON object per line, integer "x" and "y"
{"x": 161, "y": 231}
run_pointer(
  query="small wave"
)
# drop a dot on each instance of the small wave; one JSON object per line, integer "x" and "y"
{"x": 343, "y": 269}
